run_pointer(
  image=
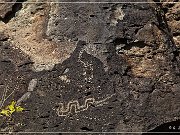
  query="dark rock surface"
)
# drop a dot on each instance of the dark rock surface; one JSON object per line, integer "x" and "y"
{"x": 122, "y": 76}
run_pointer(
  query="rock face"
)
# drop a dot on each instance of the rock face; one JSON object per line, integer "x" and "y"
{"x": 96, "y": 67}
{"x": 5, "y": 7}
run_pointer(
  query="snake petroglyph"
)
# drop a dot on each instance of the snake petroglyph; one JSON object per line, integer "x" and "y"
{"x": 64, "y": 111}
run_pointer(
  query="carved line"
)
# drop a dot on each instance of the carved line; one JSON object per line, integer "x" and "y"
{"x": 86, "y": 65}
{"x": 62, "y": 111}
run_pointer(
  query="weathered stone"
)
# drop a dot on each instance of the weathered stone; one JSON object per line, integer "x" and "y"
{"x": 5, "y": 7}
{"x": 97, "y": 67}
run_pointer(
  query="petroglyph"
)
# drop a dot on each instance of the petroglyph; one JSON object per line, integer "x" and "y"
{"x": 64, "y": 78}
{"x": 66, "y": 110}
{"x": 87, "y": 66}
{"x": 99, "y": 51}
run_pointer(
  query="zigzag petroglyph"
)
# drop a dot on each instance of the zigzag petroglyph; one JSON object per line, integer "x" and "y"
{"x": 64, "y": 111}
